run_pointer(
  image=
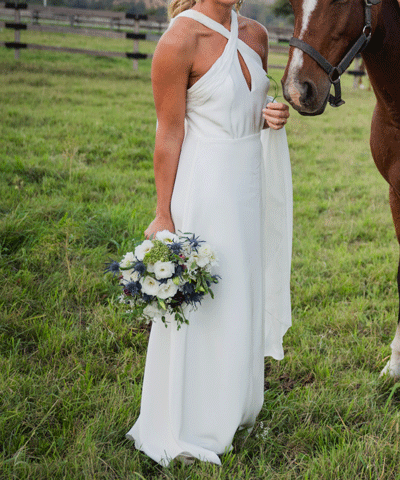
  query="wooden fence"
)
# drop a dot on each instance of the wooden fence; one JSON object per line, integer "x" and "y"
{"x": 19, "y": 16}
{"x": 78, "y": 21}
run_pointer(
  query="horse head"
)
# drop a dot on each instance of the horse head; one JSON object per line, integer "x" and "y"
{"x": 327, "y": 35}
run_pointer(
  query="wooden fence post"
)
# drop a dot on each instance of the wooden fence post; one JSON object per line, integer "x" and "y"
{"x": 136, "y": 37}
{"x": 16, "y": 26}
{"x": 35, "y": 17}
{"x": 136, "y": 45}
{"x": 17, "y": 36}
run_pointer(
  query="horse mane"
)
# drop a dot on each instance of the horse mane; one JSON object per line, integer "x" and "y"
{"x": 393, "y": 5}
{"x": 387, "y": 33}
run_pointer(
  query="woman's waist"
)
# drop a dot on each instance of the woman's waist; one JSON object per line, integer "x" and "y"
{"x": 225, "y": 137}
{"x": 222, "y": 150}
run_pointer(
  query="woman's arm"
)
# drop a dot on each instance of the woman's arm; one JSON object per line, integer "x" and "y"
{"x": 256, "y": 37}
{"x": 275, "y": 114}
{"x": 170, "y": 72}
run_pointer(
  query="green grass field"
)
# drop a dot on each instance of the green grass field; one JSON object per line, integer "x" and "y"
{"x": 76, "y": 185}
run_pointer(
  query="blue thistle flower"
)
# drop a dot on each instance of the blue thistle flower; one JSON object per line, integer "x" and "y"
{"x": 175, "y": 247}
{"x": 214, "y": 279}
{"x": 112, "y": 267}
{"x": 139, "y": 267}
{"x": 179, "y": 269}
{"x": 194, "y": 242}
{"x": 132, "y": 288}
{"x": 188, "y": 288}
{"x": 195, "y": 297}
{"x": 147, "y": 298}
{"x": 190, "y": 295}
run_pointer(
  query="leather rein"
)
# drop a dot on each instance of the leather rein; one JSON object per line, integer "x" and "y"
{"x": 334, "y": 73}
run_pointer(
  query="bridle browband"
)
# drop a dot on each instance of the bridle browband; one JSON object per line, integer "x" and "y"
{"x": 334, "y": 73}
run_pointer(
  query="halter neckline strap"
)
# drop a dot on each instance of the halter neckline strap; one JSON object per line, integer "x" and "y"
{"x": 212, "y": 24}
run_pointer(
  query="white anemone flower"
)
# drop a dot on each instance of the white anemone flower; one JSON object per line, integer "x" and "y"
{"x": 167, "y": 290}
{"x": 186, "y": 250}
{"x": 143, "y": 248}
{"x": 129, "y": 276}
{"x": 152, "y": 310}
{"x": 206, "y": 256}
{"x": 167, "y": 237}
{"x": 202, "y": 260}
{"x": 193, "y": 259}
{"x": 163, "y": 269}
{"x": 150, "y": 286}
{"x": 122, "y": 298}
{"x": 128, "y": 259}
{"x": 214, "y": 260}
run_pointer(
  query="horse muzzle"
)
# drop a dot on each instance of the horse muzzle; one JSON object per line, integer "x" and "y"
{"x": 305, "y": 96}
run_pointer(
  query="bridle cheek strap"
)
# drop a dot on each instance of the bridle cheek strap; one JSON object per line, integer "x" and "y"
{"x": 334, "y": 73}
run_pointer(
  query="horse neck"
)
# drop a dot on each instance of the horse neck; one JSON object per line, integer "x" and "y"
{"x": 382, "y": 56}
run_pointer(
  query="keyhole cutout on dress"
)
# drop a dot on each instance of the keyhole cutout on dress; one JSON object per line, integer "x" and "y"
{"x": 245, "y": 71}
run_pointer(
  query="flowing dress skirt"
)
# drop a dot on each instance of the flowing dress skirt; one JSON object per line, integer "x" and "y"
{"x": 205, "y": 381}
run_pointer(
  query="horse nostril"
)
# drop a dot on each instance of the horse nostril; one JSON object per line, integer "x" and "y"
{"x": 308, "y": 91}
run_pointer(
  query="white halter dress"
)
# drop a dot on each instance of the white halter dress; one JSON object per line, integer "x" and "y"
{"x": 233, "y": 189}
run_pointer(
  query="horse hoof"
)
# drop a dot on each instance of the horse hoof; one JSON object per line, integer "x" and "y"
{"x": 391, "y": 370}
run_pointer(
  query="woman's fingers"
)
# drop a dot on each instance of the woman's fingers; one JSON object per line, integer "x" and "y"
{"x": 158, "y": 225}
{"x": 276, "y": 115}
{"x": 275, "y": 122}
{"x": 278, "y": 110}
{"x": 277, "y": 106}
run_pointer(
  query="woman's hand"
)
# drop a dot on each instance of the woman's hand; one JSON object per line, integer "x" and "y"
{"x": 276, "y": 115}
{"x": 158, "y": 225}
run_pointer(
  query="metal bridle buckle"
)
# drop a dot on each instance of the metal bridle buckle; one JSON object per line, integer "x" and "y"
{"x": 367, "y": 31}
{"x": 334, "y": 75}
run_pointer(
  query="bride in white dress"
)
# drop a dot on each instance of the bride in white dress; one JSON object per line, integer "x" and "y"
{"x": 222, "y": 171}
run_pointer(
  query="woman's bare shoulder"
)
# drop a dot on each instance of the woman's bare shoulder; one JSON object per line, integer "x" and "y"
{"x": 253, "y": 29}
{"x": 255, "y": 35}
{"x": 181, "y": 38}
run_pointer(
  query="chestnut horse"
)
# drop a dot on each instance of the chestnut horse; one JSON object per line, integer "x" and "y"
{"x": 327, "y": 35}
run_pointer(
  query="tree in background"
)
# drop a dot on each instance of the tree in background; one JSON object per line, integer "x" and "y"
{"x": 79, "y": 4}
{"x": 258, "y": 11}
{"x": 137, "y": 6}
{"x": 282, "y": 8}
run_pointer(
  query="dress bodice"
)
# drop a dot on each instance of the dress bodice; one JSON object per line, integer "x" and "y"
{"x": 220, "y": 104}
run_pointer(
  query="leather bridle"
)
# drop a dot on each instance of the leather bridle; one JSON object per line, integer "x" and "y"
{"x": 334, "y": 73}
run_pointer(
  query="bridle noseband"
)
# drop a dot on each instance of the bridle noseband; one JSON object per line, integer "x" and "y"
{"x": 334, "y": 73}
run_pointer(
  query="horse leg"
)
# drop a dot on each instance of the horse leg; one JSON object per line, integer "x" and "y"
{"x": 392, "y": 368}
{"x": 385, "y": 148}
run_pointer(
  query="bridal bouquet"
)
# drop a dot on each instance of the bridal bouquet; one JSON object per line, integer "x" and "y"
{"x": 165, "y": 274}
